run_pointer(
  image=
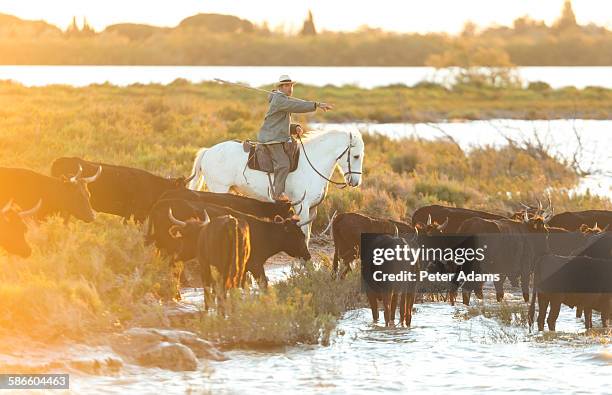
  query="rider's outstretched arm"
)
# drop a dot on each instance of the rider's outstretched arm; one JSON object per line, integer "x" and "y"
{"x": 291, "y": 104}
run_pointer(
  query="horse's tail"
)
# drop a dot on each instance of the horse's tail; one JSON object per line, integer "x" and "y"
{"x": 197, "y": 170}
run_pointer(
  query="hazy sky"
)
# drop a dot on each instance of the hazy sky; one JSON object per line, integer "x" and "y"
{"x": 396, "y": 15}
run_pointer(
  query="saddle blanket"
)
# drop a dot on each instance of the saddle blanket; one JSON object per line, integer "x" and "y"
{"x": 260, "y": 159}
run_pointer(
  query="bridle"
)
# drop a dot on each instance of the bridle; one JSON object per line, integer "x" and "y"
{"x": 347, "y": 151}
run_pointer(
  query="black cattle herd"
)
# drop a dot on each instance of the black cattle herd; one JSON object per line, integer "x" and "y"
{"x": 528, "y": 240}
{"x": 232, "y": 235}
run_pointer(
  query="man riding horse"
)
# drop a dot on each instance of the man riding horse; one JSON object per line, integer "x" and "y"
{"x": 277, "y": 129}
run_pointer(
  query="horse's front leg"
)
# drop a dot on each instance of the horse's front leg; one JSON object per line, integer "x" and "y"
{"x": 312, "y": 214}
{"x": 306, "y": 217}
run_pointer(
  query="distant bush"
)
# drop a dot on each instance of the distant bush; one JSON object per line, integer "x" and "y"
{"x": 538, "y": 86}
{"x": 444, "y": 190}
{"x": 404, "y": 162}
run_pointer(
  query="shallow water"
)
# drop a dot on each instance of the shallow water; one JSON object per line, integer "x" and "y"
{"x": 442, "y": 352}
{"x": 366, "y": 77}
{"x": 558, "y": 135}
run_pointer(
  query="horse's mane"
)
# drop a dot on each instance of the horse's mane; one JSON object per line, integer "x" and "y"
{"x": 315, "y": 134}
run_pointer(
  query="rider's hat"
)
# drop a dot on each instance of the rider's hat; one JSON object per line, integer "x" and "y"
{"x": 284, "y": 79}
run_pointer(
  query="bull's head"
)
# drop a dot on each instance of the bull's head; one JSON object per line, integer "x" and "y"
{"x": 431, "y": 228}
{"x": 584, "y": 229}
{"x": 180, "y": 229}
{"x": 181, "y": 182}
{"x": 77, "y": 195}
{"x": 295, "y": 239}
{"x": 13, "y": 229}
{"x": 529, "y": 211}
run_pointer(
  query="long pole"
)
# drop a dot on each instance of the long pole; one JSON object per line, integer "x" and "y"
{"x": 219, "y": 80}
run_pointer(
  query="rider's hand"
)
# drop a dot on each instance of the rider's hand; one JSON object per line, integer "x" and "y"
{"x": 325, "y": 106}
{"x": 299, "y": 131}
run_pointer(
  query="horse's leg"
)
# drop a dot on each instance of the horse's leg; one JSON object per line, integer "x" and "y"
{"x": 312, "y": 213}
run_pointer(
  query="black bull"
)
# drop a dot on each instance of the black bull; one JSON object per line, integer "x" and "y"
{"x": 574, "y": 281}
{"x": 68, "y": 196}
{"x": 454, "y": 215}
{"x": 13, "y": 229}
{"x": 120, "y": 190}
{"x": 572, "y": 221}
{"x": 512, "y": 248}
{"x": 240, "y": 203}
{"x": 268, "y": 237}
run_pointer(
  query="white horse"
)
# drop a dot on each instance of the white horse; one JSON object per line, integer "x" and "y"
{"x": 224, "y": 166}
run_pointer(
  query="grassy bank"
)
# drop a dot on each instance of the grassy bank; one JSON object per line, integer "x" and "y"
{"x": 424, "y": 102}
{"x": 80, "y": 278}
{"x": 99, "y": 276}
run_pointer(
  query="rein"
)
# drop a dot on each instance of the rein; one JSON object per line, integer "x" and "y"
{"x": 348, "y": 160}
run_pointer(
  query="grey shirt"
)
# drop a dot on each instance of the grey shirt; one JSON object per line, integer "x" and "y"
{"x": 276, "y": 124}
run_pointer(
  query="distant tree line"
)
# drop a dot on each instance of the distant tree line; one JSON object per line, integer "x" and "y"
{"x": 213, "y": 39}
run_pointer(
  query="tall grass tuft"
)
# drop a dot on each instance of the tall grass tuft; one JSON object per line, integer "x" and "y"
{"x": 303, "y": 309}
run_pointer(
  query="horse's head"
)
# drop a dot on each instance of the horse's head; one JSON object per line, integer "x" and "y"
{"x": 351, "y": 161}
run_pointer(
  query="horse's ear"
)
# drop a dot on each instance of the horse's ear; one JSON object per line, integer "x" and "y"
{"x": 278, "y": 219}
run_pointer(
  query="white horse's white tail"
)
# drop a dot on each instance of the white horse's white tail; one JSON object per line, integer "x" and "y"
{"x": 195, "y": 183}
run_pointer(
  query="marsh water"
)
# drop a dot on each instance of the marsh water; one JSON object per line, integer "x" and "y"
{"x": 366, "y": 77}
{"x": 589, "y": 140}
{"x": 444, "y": 351}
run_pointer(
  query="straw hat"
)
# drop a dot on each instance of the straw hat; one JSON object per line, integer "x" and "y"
{"x": 285, "y": 79}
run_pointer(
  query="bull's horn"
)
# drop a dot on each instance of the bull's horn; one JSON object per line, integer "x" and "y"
{"x": 174, "y": 220}
{"x": 595, "y": 226}
{"x": 299, "y": 201}
{"x": 526, "y": 206}
{"x": 191, "y": 177}
{"x": 329, "y": 225}
{"x": 525, "y": 217}
{"x": 206, "y": 219}
{"x": 416, "y": 230}
{"x": 270, "y": 194}
{"x": 75, "y": 177}
{"x": 605, "y": 229}
{"x": 32, "y": 211}
{"x": 300, "y": 224}
{"x": 396, "y": 232}
{"x": 7, "y": 207}
{"x": 429, "y": 220}
{"x": 301, "y": 207}
{"x": 94, "y": 177}
{"x": 539, "y": 205}
{"x": 441, "y": 227}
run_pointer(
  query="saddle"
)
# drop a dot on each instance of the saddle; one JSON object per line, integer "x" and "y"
{"x": 260, "y": 159}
